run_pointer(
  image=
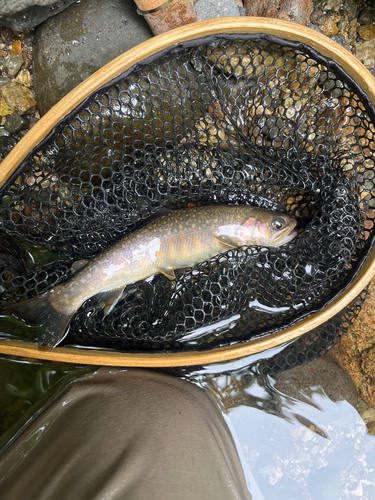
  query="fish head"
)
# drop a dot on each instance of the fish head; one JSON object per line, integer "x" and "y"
{"x": 267, "y": 228}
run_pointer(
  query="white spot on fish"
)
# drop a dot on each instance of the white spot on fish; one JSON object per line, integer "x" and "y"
{"x": 112, "y": 270}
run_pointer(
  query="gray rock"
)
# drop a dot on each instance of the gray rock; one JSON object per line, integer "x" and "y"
{"x": 208, "y": 9}
{"x": 365, "y": 17}
{"x": 16, "y": 122}
{"x": 21, "y": 15}
{"x": 334, "y": 5}
{"x": 13, "y": 65}
{"x": 322, "y": 372}
{"x": 342, "y": 24}
{"x": 74, "y": 44}
{"x": 4, "y": 81}
{"x": 351, "y": 8}
{"x": 4, "y": 132}
{"x": 340, "y": 39}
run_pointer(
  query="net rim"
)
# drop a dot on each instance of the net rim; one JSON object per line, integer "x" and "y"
{"x": 234, "y": 25}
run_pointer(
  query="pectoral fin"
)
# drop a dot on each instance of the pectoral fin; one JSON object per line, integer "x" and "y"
{"x": 109, "y": 299}
{"x": 168, "y": 272}
{"x": 224, "y": 240}
{"x": 78, "y": 264}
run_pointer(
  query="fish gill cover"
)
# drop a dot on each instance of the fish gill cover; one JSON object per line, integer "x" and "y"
{"x": 246, "y": 119}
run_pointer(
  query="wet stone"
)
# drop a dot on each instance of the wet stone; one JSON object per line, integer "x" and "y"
{"x": 340, "y": 39}
{"x": 365, "y": 52}
{"x": 19, "y": 98}
{"x": 3, "y": 132}
{"x": 321, "y": 372}
{"x": 365, "y": 17}
{"x": 350, "y": 8}
{"x": 7, "y": 143}
{"x": 4, "y": 81}
{"x": 77, "y": 42}
{"x": 15, "y": 122}
{"x": 342, "y": 24}
{"x": 330, "y": 27}
{"x": 209, "y": 9}
{"x": 13, "y": 65}
{"x": 24, "y": 77}
{"x": 288, "y": 10}
{"x": 356, "y": 351}
{"x": 366, "y": 32}
{"x": 334, "y": 5}
{"x": 21, "y": 15}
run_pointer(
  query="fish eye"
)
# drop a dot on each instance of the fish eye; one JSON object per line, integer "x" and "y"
{"x": 278, "y": 223}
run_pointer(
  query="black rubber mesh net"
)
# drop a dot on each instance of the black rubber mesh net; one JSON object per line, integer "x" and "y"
{"x": 231, "y": 119}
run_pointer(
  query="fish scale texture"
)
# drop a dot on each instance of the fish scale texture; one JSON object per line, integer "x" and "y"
{"x": 243, "y": 119}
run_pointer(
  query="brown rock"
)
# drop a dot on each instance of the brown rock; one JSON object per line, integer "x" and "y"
{"x": 24, "y": 78}
{"x": 289, "y": 10}
{"x": 366, "y": 32}
{"x": 5, "y": 109}
{"x": 365, "y": 52}
{"x": 16, "y": 48}
{"x": 330, "y": 27}
{"x": 19, "y": 98}
{"x": 322, "y": 372}
{"x": 356, "y": 351}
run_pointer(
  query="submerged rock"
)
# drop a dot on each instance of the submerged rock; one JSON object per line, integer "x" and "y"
{"x": 321, "y": 372}
{"x": 13, "y": 65}
{"x": 74, "y": 44}
{"x": 16, "y": 122}
{"x": 18, "y": 98}
{"x": 365, "y": 52}
{"x": 366, "y": 32}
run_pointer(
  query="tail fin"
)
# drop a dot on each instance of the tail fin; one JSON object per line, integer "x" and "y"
{"x": 39, "y": 311}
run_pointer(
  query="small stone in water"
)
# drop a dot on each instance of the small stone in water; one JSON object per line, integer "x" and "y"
{"x": 24, "y": 78}
{"x": 365, "y": 52}
{"x": 16, "y": 48}
{"x": 339, "y": 39}
{"x": 342, "y": 24}
{"x": 366, "y": 32}
{"x": 365, "y": 17}
{"x": 334, "y": 5}
{"x": 5, "y": 109}
{"x": 16, "y": 122}
{"x": 13, "y": 65}
{"x": 350, "y": 7}
{"x": 19, "y": 98}
{"x": 3, "y": 132}
{"x": 330, "y": 27}
{"x": 4, "y": 81}
{"x": 7, "y": 143}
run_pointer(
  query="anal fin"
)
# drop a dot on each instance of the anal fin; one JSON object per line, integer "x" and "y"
{"x": 79, "y": 264}
{"x": 109, "y": 299}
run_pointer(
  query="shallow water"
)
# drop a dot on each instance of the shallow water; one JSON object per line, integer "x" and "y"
{"x": 310, "y": 449}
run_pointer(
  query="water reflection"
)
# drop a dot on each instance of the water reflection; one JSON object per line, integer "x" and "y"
{"x": 308, "y": 447}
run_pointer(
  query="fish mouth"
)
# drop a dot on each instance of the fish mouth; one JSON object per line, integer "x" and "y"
{"x": 285, "y": 237}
